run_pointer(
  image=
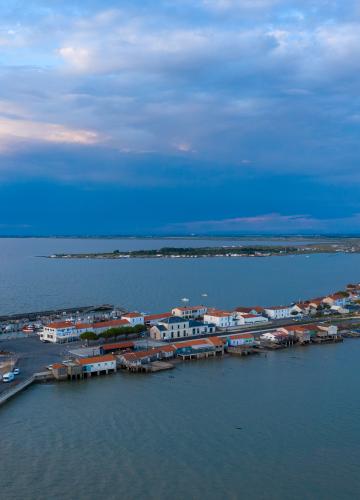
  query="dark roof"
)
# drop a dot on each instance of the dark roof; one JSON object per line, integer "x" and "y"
{"x": 161, "y": 328}
{"x": 173, "y": 319}
{"x": 193, "y": 323}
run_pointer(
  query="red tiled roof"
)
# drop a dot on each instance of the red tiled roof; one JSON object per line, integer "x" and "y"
{"x": 61, "y": 324}
{"x": 217, "y": 341}
{"x": 219, "y": 314}
{"x": 132, "y": 315}
{"x": 111, "y": 324}
{"x": 82, "y": 326}
{"x": 133, "y": 356}
{"x": 56, "y": 366}
{"x": 96, "y": 359}
{"x": 295, "y": 328}
{"x": 117, "y": 345}
{"x": 190, "y": 308}
{"x": 244, "y": 309}
{"x": 276, "y": 308}
{"x": 191, "y": 343}
{"x": 152, "y": 317}
{"x": 166, "y": 348}
{"x": 242, "y": 336}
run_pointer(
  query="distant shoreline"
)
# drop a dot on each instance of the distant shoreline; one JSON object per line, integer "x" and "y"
{"x": 254, "y": 237}
{"x": 213, "y": 252}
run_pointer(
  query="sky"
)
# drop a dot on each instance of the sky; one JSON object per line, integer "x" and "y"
{"x": 179, "y": 117}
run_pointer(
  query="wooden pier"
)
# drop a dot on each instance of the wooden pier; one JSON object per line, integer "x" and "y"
{"x": 186, "y": 356}
{"x": 153, "y": 367}
{"x": 242, "y": 351}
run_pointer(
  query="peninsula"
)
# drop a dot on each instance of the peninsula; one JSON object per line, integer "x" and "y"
{"x": 220, "y": 251}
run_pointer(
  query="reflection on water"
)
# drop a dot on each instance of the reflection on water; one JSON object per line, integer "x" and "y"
{"x": 277, "y": 427}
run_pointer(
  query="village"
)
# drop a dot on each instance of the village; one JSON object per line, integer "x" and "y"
{"x": 147, "y": 343}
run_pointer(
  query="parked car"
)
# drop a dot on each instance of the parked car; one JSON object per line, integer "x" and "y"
{"x": 16, "y": 371}
{"x": 8, "y": 377}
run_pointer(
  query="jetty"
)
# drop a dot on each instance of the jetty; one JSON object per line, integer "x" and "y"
{"x": 24, "y": 384}
{"x": 33, "y": 316}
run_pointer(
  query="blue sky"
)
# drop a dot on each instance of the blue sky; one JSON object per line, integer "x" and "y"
{"x": 179, "y": 117}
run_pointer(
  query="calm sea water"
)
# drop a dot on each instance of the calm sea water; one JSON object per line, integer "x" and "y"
{"x": 285, "y": 426}
{"x": 29, "y": 283}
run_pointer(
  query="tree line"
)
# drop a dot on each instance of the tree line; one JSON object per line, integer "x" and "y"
{"x": 113, "y": 333}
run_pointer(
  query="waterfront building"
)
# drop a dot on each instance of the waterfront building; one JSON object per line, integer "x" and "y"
{"x": 278, "y": 312}
{"x": 277, "y": 337}
{"x": 250, "y": 310}
{"x": 315, "y": 304}
{"x": 190, "y": 312}
{"x": 67, "y": 331}
{"x": 152, "y": 319}
{"x": 59, "y": 332}
{"x": 302, "y": 333}
{"x": 241, "y": 339}
{"x": 117, "y": 347}
{"x": 98, "y": 364}
{"x": 337, "y": 299}
{"x": 134, "y": 318}
{"x": 198, "y": 348}
{"x": 138, "y": 358}
{"x": 175, "y": 327}
{"x": 250, "y": 319}
{"x": 301, "y": 308}
{"x": 59, "y": 370}
{"x": 353, "y": 290}
{"x": 223, "y": 319}
{"x": 327, "y": 330}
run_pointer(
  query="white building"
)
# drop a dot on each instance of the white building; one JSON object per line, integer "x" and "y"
{"x": 59, "y": 332}
{"x": 279, "y": 312}
{"x": 134, "y": 318}
{"x": 190, "y": 312}
{"x": 175, "y": 327}
{"x": 337, "y": 299}
{"x": 223, "y": 319}
{"x": 250, "y": 319}
{"x": 331, "y": 330}
{"x": 300, "y": 309}
{"x": 241, "y": 339}
{"x": 98, "y": 364}
{"x": 67, "y": 331}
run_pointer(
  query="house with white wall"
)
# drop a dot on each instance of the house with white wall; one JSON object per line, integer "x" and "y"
{"x": 67, "y": 331}
{"x": 190, "y": 312}
{"x": 175, "y": 327}
{"x": 222, "y": 319}
{"x": 59, "y": 332}
{"x": 134, "y": 318}
{"x": 240, "y": 339}
{"x": 250, "y": 319}
{"x": 278, "y": 312}
{"x": 337, "y": 299}
{"x": 98, "y": 364}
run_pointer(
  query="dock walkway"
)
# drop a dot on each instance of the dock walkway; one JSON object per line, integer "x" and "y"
{"x": 12, "y": 391}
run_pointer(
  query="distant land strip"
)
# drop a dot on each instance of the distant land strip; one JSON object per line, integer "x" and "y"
{"x": 223, "y": 251}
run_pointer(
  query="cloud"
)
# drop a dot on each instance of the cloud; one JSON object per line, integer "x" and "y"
{"x": 274, "y": 82}
{"x": 13, "y": 132}
{"x": 271, "y": 222}
{"x": 240, "y": 4}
